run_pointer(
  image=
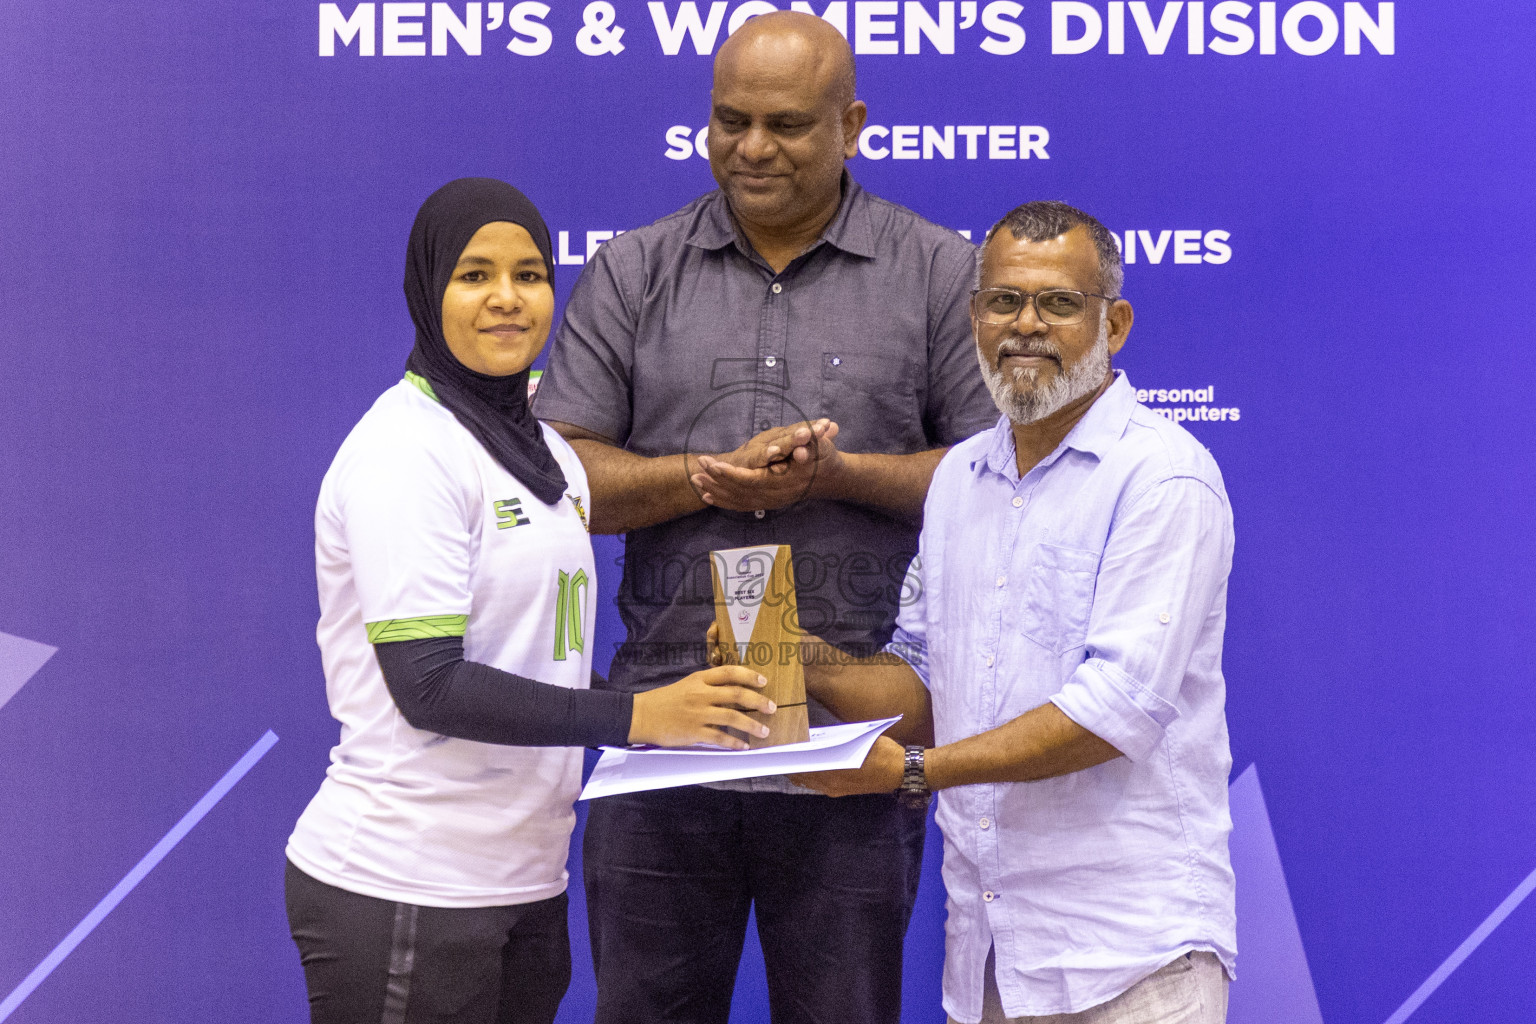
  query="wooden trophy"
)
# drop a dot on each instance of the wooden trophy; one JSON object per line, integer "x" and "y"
{"x": 755, "y": 611}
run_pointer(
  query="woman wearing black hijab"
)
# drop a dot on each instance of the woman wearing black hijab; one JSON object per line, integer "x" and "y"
{"x": 426, "y": 880}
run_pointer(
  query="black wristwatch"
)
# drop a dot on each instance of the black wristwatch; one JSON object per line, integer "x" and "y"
{"x": 914, "y": 781}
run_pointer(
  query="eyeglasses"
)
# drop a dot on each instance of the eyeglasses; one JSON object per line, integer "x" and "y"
{"x": 1057, "y": 306}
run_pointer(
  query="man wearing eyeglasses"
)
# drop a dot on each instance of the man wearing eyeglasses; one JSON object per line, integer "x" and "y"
{"x": 1060, "y": 669}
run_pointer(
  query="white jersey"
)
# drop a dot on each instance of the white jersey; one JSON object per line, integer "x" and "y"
{"x": 420, "y": 533}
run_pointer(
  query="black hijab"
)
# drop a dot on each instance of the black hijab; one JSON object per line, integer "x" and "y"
{"x": 493, "y": 409}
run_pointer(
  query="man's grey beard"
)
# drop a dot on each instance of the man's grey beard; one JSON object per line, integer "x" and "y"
{"x": 1029, "y": 403}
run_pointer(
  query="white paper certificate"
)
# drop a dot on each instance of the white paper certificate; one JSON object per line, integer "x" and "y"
{"x": 625, "y": 770}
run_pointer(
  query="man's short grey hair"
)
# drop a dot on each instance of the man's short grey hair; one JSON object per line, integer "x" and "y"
{"x": 1046, "y": 219}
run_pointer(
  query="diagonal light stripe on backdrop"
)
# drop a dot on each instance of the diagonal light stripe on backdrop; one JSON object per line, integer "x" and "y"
{"x": 140, "y": 870}
{"x": 1464, "y": 950}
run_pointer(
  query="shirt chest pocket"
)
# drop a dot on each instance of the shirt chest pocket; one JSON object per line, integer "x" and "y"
{"x": 874, "y": 401}
{"x": 1058, "y": 596}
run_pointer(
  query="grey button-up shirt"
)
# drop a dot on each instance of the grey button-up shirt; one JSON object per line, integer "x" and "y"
{"x": 679, "y": 337}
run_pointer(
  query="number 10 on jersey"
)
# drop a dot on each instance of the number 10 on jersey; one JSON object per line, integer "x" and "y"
{"x": 570, "y": 614}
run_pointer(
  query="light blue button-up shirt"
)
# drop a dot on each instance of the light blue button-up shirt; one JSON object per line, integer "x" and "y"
{"x": 1097, "y": 582}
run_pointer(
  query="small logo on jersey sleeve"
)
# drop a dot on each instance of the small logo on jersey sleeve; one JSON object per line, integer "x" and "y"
{"x": 510, "y": 513}
{"x": 576, "y": 503}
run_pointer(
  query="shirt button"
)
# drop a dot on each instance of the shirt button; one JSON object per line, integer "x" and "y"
{"x": 989, "y": 661}
{"x": 771, "y": 361}
{"x": 985, "y": 823}
{"x": 1002, "y": 581}
{"x": 1164, "y": 618}
{"x": 759, "y": 513}
{"x": 837, "y": 360}
{"x": 777, "y": 287}
{"x": 1018, "y": 502}
{"x": 763, "y": 424}
{"x": 989, "y": 895}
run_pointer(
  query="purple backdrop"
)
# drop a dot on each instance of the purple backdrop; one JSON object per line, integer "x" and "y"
{"x": 201, "y": 240}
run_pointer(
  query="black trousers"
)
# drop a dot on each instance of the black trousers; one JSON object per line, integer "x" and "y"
{"x": 371, "y": 961}
{"x": 672, "y": 874}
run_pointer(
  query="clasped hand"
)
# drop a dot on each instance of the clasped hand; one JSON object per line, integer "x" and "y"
{"x": 771, "y": 470}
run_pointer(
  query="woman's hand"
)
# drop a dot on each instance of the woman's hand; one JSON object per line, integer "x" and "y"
{"x": 719, "y": 653}
{"x": 699, "y": 708}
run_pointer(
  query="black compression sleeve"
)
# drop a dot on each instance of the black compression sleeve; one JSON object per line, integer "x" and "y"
{"x": 437, "y": 690}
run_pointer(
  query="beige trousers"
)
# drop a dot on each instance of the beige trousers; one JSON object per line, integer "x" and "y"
{"x": 1192, "y": 989}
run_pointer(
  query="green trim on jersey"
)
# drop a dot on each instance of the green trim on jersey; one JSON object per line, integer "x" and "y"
{"x": 424, "y": 385}
{"x": 391, "y": 630}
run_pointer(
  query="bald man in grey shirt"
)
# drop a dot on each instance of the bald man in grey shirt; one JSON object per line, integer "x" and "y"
{"x": 782, "y": 361}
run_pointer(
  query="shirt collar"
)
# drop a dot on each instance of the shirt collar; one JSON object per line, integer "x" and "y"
{"x": 1104, "y": 422}
{"x": 1101, "y": 426}
{"x": 849, "y": 229}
